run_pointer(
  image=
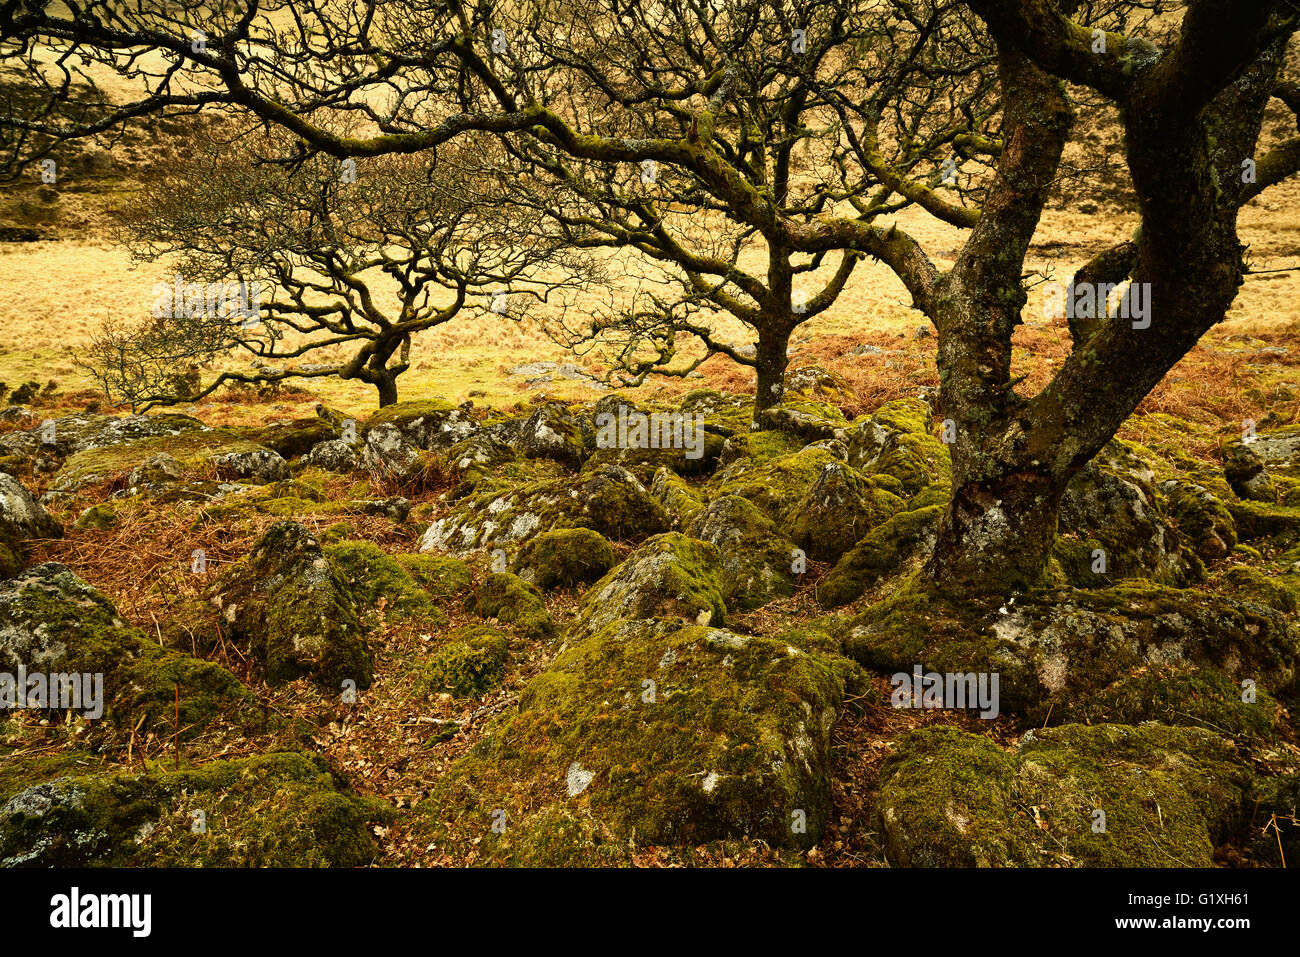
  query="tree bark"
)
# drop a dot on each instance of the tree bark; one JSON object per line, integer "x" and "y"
{"x": 770, "y": 363}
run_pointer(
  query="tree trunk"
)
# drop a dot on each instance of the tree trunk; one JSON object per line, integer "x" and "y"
{"x": 997, "y": 535}
{"x": 387, "y": 388}
{"x": 770, "y": 364}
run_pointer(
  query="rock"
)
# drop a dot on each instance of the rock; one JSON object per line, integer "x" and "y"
{"x": 467, "y": 663}
{"x": 818, "y": 384}
{"x": 949, "y": 798}
{"x": 479, "y": 453}
{"x": 294, "y": 610}
{"x": 895, "y": 441}
{"x": 1111, "y": 504}
{"x": 53, "y": 622}
{"x": 271, "y": 810}
{"x": 380, "y": 584}
{"x": 724, "y": 414}
{"x": 392, "y": 458}
{"x": 757, "y": 561}
{"x": 1279, "y": 451}
{"x": 1074, "y": 652}
{"x": 160, "y": 469}
{"x": 1244, "y": 470}
{"x": 446, "y": 579}
{"x": 680, "y": 500}
{"x": 680, "y": 735}
{"x": 886, "y": 550}
{"x": 333, "y": 455}
{"x": 837, "y": 511}
{"x": 809, "y": 421}
{"x": 512, "y": 601}
{"x": 553, "y": 432}
{"x": 565, "y": 558}
{"x": 196, "y": 450}
{"x": 259, "y": 465}
{"x": 292, "y": 439}
{"x": 777, "y": 485}
{"x": 608, "y": 500}
{"x": 427, "y": 424}
{"x": 669, "y": 575}
{"x": 22, "y": 519}
{"x": 1202, "y": 520}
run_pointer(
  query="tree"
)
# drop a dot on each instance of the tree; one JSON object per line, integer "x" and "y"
{"x": 345, "y": 262}
{"x": 700, "y": 148}
{"x": 1192, "y": 113}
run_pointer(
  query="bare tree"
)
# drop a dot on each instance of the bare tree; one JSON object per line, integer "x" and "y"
{"x": 339, "y": 263}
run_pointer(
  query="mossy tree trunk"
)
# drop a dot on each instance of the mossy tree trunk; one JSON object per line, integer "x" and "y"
{"x": 1192, "y": 116}
{"x": 770, "y": 361}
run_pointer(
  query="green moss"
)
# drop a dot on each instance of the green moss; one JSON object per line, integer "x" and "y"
{"x": 1276, "y": 591}
{"x": 379, "y": 581}
{"x": 292, "y": 439}
{"x": 776, "y": 486}
{"x": 669, "y": 575}
{"x": 401, "y": 414}
{"x": 446, "y": 579}
{"x": 950, "y": 798}
{"x": 512, "y": 601}
{"x": 468, "y": 663}
{"x": 757, "y": 561}
{"x": 659, "y": 732}
{"x": 98, "y": 517}
{"x": 881, "y": 553}
{"x": 566, "y": 558}
{"x": 193, "y": 450}
{"x": 273, "y": 810}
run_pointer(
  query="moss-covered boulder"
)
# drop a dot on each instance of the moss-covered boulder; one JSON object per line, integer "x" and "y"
{"x": 670, "y": 575}
{"x": 1202, "y": 519}
{"x": 295, "y": 438}
{"x": 52, "y": 622}
{"x": 294, "y": 610}
{"x": 551, "y": 431}
{"x": 817, "y": 384}
{"x": 445, "y": 578}
{"x": 427, "y": 424}
{"x": 680, "y": 500}
{"x": 1244, "y": 470}
{"x": 221, "y": 454}
{"x": 380, "y": 584}
{"x": 512, "y": 601}
{"x": 653, "y": 732}
{"x": 565, "y": 558}
{"x": 609, "y": 500}
{"x": 1166, "y": 796}
{"x": 1279, "y": 525}
{"x": 1071, "y": 652}
{"x": 837, "y": 511}
{"x": 273, "y": 810}
{"x": 757, "y": 560}
{"x": 724, "y": 414}
{"x": 21, "y": 519}
{"x": 1111, "y": 506}
{"x": 888, "y": 549}
{"x": 776, "y": 485}
{"x": 804, "y": 419}
{"x": 896, "y": 441}
{"x": 466, "y": 663}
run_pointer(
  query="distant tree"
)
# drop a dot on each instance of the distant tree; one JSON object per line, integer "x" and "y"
{"x": 336, "y": 265}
